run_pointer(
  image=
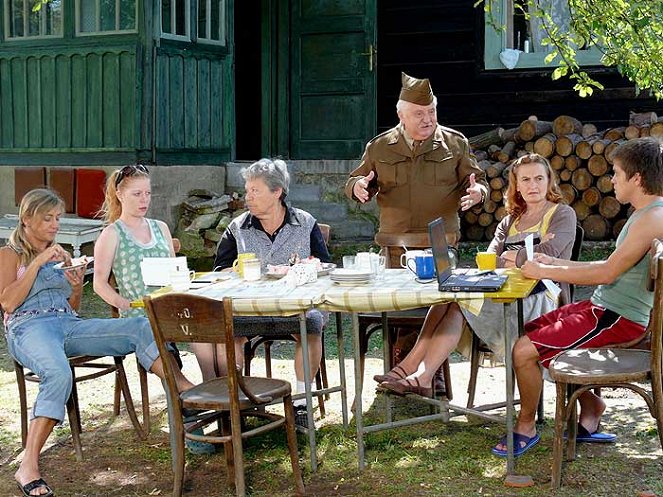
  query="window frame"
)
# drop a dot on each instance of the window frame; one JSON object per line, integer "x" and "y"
{"x": 187, "y": 21}
{"x": 13, "y": 39}
{"x": 495, "y": 41}
{"x": 77, "y": 21}
{"x": 223, "y": 15}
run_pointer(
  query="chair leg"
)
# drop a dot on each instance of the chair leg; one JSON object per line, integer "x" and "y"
{"x": 474, "y": 371}
{"x": 558, "y": 440}
{"x": 238, "y": 453}
{"x": 117, "y": 396}
{"x": 228, "y": 448}
{"x": 144, "y": 397}
{"x": 572, "y": 424}
{"x": 323, "y": 370}
{"x": 75, "y": 418}
{"x": 23, "y": 401}
{"x": 248, "y": 357}
{"x": 321, "y": 398}
{"x": 292, "y": 444}
{"x": 121, "y": 378}
{"x": 268, "y": 359}
{"x": 446, "y": 371}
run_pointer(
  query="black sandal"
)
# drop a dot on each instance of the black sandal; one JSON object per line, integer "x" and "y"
{"x": 29, "y": 487}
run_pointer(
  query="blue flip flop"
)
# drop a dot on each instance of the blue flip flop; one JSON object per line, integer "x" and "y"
{"x": 518, "y": 449}
{"x": 585, "y": 436}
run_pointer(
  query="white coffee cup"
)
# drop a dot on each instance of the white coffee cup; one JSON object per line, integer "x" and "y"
{"x": 180, "y": 279}
{"x": 363, "y": 261}
{"x": 410, "y": 254}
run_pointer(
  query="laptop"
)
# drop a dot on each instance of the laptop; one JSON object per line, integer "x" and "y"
{"x": 458, "y": 280}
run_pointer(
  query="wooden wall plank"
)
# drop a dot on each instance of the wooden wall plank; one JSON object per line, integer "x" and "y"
{"x": 128, "y": 99}
{"x": 216, "y": 82}
{"x": 95, "y": 94}
{"x": 176, "y": 79}
{"x": 204, "y": 110}
{"x": 78, "y": 101}
{"x": 163, "y": 102}
{"x": 20, "y": 102}
{"x": 48, "y": 101}
{"x": 190, "y": 102}
{"x": 33, "y": 97}
{"x": 63, "y": 104}
{"x": 6, "y": 107}
{"x": 111, "y": 100}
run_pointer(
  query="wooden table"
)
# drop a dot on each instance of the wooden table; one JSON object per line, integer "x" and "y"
{"x": 74, "y": 231}
{"x": 398, "y": 291}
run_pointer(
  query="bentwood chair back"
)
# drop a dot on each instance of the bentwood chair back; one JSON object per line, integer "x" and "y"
{"x": 578, "y": 371}
{"x": 224, "y": 401}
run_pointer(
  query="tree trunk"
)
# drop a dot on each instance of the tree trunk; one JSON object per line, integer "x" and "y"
{"x": 565, "y": 175}
{"x": 599, "y": 145}
{"x": 566, "y": 144}
{"x": 492, "y": 137}
{"x": 642, "y": 118}
{"x": 584, "y": 149}
{"x": 610, "y": 149}
{"x": 572, "y": 163}
{"x": 510, "y": 135}
{"x": 596, "y": 227}
{"x": 496, "y": 196}
{"x": 497, "y": 183}
{"x": 569, "y": 193}
{"x": 614, "y": 134}
{"x": 582, "y": 179}
{"x": 656, "y": 130}
{"x": 604, "y": 183}
{"x": 474, "y": 232}
{"x": 500, "y": 213}
{"x": 609, "y": 207}
{"x": 507, "y": 152}
{"x": 631, "y": 132}
{"x": 597, "y": 165}
{"x": 529, "y": 130}
{"x": 588, "y": 130}
{"x": 545, "y": 145}
{"x": 565, "y": 125}
{"x": 591, "y": 196}
{"x": 557, "y": 162}
{"x": 489, "y": 206}
{"x": 582, "y": 210}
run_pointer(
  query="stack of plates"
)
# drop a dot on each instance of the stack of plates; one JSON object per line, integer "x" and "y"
{"x": 351, "y": 277}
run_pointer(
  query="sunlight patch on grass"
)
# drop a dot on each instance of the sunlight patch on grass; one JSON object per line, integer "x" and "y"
{"x": 408, "y": 461}
{"x": 427, "y": 443}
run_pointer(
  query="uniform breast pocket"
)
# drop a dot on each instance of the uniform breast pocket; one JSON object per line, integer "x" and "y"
{"x": 439, "y": 169}
{"x": 390, "y": 173}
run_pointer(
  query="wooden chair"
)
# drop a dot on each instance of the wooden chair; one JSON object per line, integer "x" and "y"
{"x": 178, "y": 317}
{"x": 252, "y": 345}
{"x": 480, "y": 350}
{"x": 577, "y": 371}
{"x": 94, "y": 369}
{"x": 142, "y": 376}
{"x": 403, "y": 322}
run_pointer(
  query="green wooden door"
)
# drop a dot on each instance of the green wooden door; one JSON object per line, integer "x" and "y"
{"x": 332, "y": 78}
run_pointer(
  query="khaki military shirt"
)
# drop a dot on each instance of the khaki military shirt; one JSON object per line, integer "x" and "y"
{"x": 416, "y": 185}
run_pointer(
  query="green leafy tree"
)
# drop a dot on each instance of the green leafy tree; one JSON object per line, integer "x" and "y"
{"x": 629, "y": 34}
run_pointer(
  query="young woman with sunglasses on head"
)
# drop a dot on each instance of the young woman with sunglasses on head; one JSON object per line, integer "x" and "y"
{"x": 128, "y": 238}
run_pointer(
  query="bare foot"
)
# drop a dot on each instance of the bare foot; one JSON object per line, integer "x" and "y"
{"x": 23, "y": 477}
{"x": 591, "y": 409}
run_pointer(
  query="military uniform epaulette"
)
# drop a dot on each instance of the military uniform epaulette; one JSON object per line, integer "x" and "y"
{"x": 383, "y": 134}
{"x": 452, "y": 131}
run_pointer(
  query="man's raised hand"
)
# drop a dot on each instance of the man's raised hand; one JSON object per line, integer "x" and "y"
{"x": 360, "y": 188}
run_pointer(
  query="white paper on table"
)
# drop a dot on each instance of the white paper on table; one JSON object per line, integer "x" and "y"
{"x": 529, "y": 246}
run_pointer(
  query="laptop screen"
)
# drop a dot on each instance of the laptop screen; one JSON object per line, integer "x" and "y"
{"x": 438, "y": 242}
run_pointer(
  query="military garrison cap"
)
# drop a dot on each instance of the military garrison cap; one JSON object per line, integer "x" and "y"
{"x": 416, "y": 91}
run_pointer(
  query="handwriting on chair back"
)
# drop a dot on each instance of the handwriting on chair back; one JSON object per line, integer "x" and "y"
{"x": 191, "y": 318}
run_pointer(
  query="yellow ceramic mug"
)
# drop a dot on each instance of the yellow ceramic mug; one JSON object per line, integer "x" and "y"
{"x": 486, "y": 260}
{"x": 238, "y": 264}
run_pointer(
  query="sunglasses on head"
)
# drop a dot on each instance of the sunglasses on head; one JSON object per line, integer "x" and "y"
{"x": 130, "y": 170}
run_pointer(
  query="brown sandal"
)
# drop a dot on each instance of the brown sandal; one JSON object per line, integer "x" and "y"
{"x": 396, "y": 373}
{"x": 412, "y": 386}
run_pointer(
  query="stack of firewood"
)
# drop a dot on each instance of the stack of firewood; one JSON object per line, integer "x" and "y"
{"x": 579, "y": 153}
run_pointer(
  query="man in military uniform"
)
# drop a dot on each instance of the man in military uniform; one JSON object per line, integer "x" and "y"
{"x": 421, "y": 171}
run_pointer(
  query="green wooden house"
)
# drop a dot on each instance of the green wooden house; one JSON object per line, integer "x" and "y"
{"x": 210, "y": 81}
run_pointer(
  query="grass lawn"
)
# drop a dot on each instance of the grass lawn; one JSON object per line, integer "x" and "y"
{"x": 433, "y": 459}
